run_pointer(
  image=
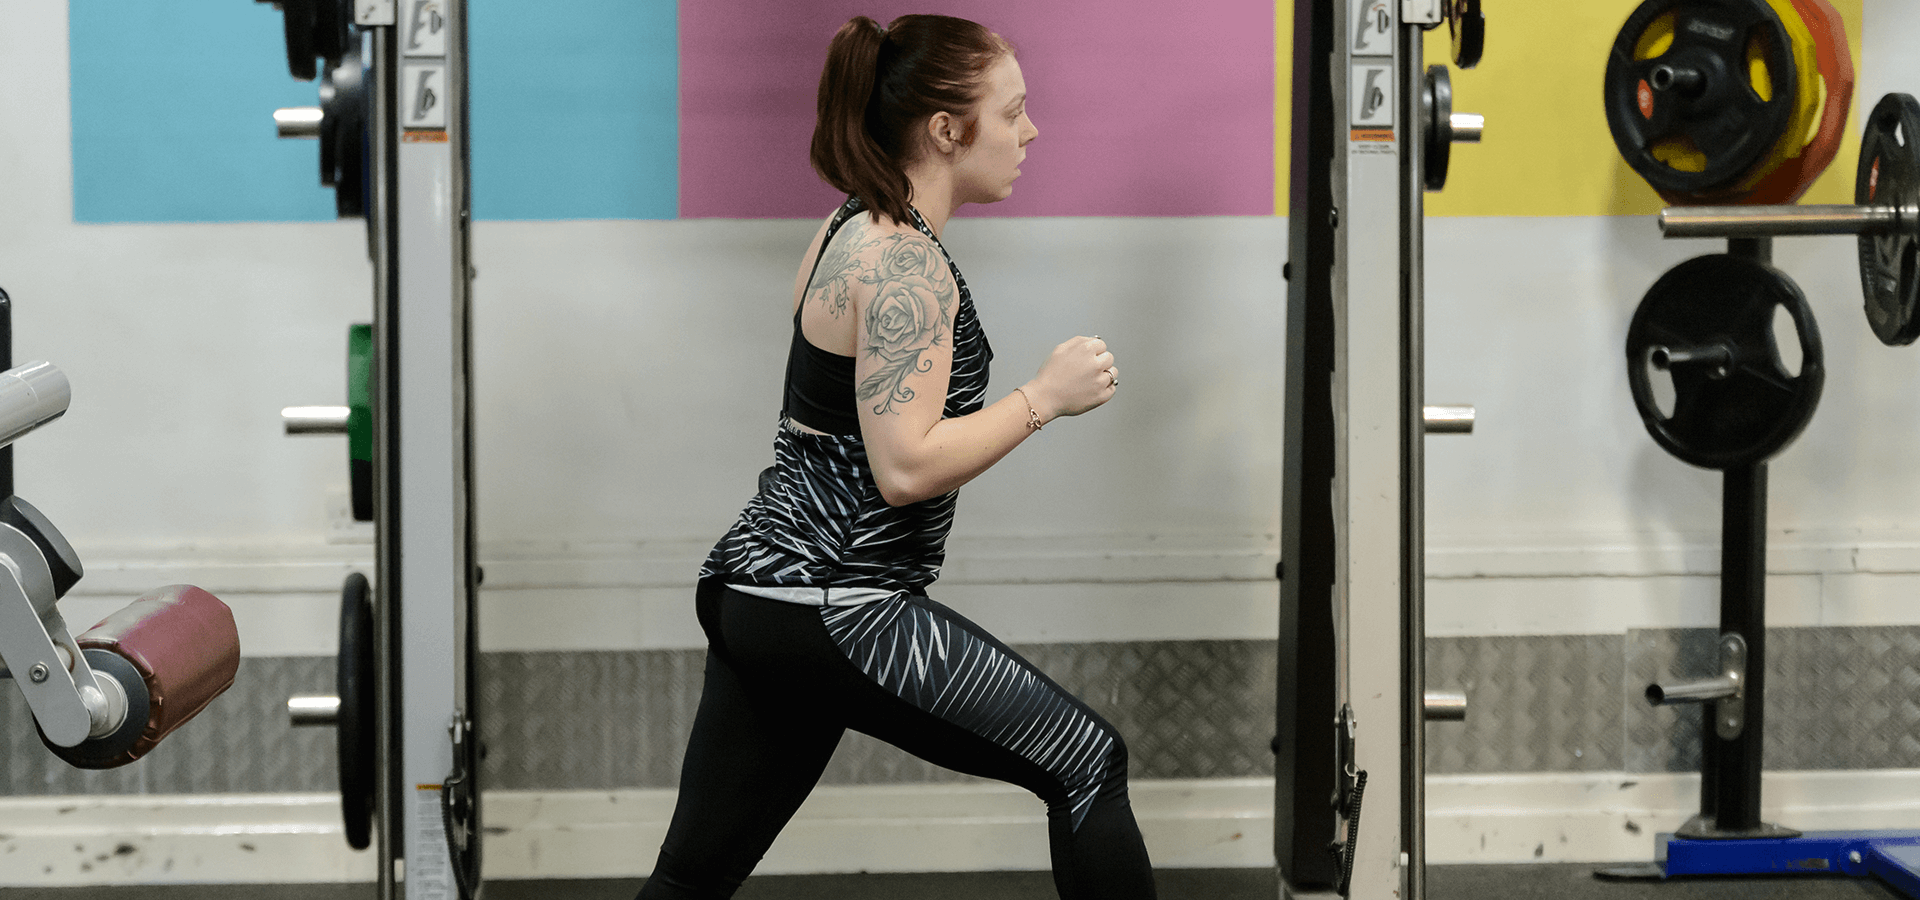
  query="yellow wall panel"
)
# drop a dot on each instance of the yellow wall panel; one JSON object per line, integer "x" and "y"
{"x": 1547, "y": 151}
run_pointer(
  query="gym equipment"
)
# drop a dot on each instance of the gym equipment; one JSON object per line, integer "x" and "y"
{"x": 350, "y": 711}
{"x": 1467, "y": 26}
{"x": 1714, "y": 313}
{"x": 1698, "y": 93}
{"x": 1709, "y": 323}
{"x": 339, "y": 123}
{"x": 314, "y": 28}
{"x": 395, "y": 105}
{"x": 355, "y": 420}
{"x": 1444, "y": 127}
{"x": 1370, "y": 128}
{"x": 109, "y": 696}
{"x": 343, "y": 135}
{"x": 1886, "y": 216}
{"x": 1791, "y": 179}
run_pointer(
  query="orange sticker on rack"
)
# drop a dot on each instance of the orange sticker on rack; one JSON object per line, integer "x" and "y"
{"x": 1372, "y": 135}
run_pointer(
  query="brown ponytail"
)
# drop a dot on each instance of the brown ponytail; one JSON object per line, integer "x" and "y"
{"x": 879, "y": 87}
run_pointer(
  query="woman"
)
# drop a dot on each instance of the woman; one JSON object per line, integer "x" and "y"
{"x": 814, "y": 604}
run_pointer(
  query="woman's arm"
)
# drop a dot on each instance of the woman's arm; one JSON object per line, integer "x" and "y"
{"x": 902, "y": 364}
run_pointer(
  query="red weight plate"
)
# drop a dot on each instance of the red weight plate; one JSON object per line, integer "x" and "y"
{"x": 1790, "y": 182}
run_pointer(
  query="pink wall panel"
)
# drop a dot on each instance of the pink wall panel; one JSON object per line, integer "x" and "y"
{"x": 1144, "y": 108}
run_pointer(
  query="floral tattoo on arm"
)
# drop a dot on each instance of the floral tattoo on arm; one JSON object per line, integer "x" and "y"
{"x": 910, "y": 314}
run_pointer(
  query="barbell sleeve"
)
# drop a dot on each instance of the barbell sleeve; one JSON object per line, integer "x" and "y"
{"x": 1782, "y": 221}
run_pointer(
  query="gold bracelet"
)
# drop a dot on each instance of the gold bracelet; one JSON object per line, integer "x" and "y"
{"x": 1033, "y": 415}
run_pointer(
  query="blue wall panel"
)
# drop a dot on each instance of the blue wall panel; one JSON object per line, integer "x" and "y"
{"x": 575, "y": 110}
{"x": 575, "y": 116}
{"x": 173, "y": 115}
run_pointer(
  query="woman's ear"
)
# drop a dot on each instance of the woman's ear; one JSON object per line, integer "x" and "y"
{"x": 943, "y": 133}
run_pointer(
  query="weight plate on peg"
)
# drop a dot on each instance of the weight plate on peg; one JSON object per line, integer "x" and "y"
{"x": 1889, "y": 175}
{"x": 1468, "y": 28}
{"x": 1681, "y": 95}
{"x": 1436, "y": 103}
{"x": 1709, "y": 324}
{"x": 354, "y": 681}
{"x": 297, "y": 19}
{"x": 331, "y": 33}
{"x": 360, "y": 420}
{"x": 343, "y": 136}
{"x": 1806, "y": 86}
{"x": 1834, "y": 58}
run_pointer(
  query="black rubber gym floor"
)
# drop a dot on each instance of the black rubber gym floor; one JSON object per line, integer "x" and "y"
{"x": 1557, "y": 881}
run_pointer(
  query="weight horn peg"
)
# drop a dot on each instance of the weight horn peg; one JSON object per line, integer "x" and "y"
{"x": 1715, "y": 359}
{"x": 1445, "y": 706}
{"x": 315, "y": 419}
{"x": 313, "y": 710}
{"x": 1444, "y": 127}
{"x": 297, "y": 122}
{"x": 1448, "y": 419}
{"x": 1726, "y": 691}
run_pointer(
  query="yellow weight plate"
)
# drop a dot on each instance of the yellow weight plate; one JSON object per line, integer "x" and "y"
{"x": 1808, "y": 91}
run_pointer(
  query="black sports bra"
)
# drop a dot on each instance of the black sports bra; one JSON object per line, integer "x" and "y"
{"x": 819, "y": 390}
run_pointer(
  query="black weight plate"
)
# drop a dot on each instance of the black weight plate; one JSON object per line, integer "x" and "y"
{"x": 1712, "y": 103}
{"x": 1468, "y": 28}
{"x": 1748, "y": 408}
{"x": 343, "y": 135}
{"x": 354, "y": 680}
{"x": 297, "y": 19}
{"x": 331, "y": 33}
{"x": 1890, "y": 176}
{"x": 1436, "y": 103}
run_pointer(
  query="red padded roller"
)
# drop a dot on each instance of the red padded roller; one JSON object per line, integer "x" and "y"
{"x": 183, "y": 643}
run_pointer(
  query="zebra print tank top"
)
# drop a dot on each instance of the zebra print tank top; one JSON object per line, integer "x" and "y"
{"x": 818, "y": 532}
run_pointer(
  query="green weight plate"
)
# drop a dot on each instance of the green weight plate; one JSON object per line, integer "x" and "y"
{"x": 1709, "y": 323}
{"x": 360, "y": 419}
{"x": 1889, "y": 175}
{"x": 1679, "y": 92}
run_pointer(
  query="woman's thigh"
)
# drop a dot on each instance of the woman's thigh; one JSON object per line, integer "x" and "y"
{"x": 939, "y": 686}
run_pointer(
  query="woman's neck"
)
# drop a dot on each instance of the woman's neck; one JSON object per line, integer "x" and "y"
{"x": 932, "y": 196}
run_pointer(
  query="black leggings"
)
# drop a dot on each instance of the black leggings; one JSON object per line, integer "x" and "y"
{"x": 784, "y": 681}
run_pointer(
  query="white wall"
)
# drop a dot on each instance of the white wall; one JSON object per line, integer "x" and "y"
{"x": 629, "y": 377}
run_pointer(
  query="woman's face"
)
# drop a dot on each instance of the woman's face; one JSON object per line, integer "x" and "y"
{"x": 986, "y": 168}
